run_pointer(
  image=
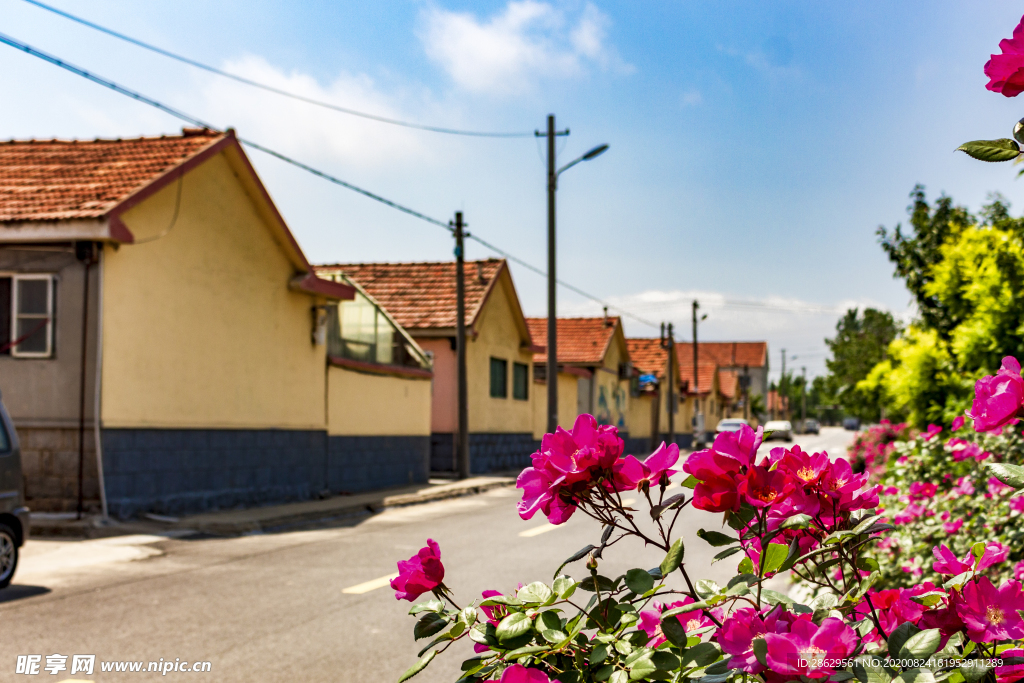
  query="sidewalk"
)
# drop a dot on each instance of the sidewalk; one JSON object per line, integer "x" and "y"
{"x": 232, "y": 522}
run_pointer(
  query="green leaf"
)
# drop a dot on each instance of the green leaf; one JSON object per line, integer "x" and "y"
{"x": 746, "y": 566}
{"x": 513, "y": 626}
{"x": 973, "y": 671}
{"x": 599, "y": 654}
{"x": 792, "y": 555}
{"x": 564, "y": 586}
{"x": 796, "y": 522}
{"x": 865, "y": 523}
{"x": 869, "y": 670}
{"x": 917, "y": 676}
{"x": 428, "y": 606}
{"x": 578, "y": 555}
{"x": 674, "y": 631}
{"x": 639, "y": 581}
{"x": 548, "y": 620}
{"x": 534, "y": 592}
{"x": 417, "y": 667}
{"x": 1003, "y": 149}
{"x": 619, "y": 677}
{"x": 715, "y": 538}
{"x": 921, "y": 645}
{"x": 673, "y": 558}
{"x": 773, "y": 559}
{"x": 900, "y": 636}
{"x": 665, "y": 661}
{"x": 642, "y": 668}
{"x": 596, "y": 583}
{"x": 693, "y": 606}
{"x": 526, "y": 651}
{"x": 706, "y": 588}
{"x": 429, "y": 624}
{"x": 868, "y": 564}
{"x": 700, "y": 655}
{"x": 728, "y": 552}
{"x": 760, "y": 648}
{"x": 690, "y": 482}
{"x": 1011, "y": 475}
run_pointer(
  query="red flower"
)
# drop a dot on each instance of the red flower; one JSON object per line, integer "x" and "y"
{"x": 630, "y": 473}
{"x": 419, "y": 574}
{"x": 762, "y": 487}
{"x": 997, "y": 398}
{"x": 990, "y": 613}
{"x": 1006, "y": 71}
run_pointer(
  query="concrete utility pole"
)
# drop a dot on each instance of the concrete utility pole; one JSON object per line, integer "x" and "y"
{"x": 782, "y": 406}
{"x": 696, "y": 385}
{"x": 462, "y": 436}
{"x": 803, "y": 399}
{"x": 670, "y": 404}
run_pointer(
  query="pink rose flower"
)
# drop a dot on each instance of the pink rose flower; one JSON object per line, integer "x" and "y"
{"x": 1018, "y": 571}
{"x": 997, "y": 398}
{"x": 517, "y": 673}
{"x": 952, "y": 527}
{"x": 650, "y": 620}
{"x": 1009, "y": 673}
{"x": 958, "y": 422}
{"x": 1017, "y": 503}
{"x": 629, "y": 473}
{"x": 996, "y": 487}
{"x": 990, "y": 613}
{"x": 995, "y": 553}
{"x": 947, "y": 563}
{"x": 806, "y": 469}
{"x": 807, "y": 649}
{"x": 421, "y": 573}
{"x": 762, "y": 487}
{"x": 933, "y": 431}
{"x": 1006, "y": 71}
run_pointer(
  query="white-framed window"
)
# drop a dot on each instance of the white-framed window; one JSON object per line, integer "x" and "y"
{"x": 27, "y": 301}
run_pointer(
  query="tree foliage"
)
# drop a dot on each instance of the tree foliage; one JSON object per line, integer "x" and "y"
{"x": 967, "y": 278}
{"x": 859, "y": 345}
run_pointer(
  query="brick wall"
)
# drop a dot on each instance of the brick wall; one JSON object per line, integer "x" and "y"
{"x": 362, "y": 463}
{"x": 49, "y": 462}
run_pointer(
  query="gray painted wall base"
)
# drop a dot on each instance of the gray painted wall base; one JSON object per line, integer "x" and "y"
{"x": 362, "y": 463}
{"x": 488, "y": 452}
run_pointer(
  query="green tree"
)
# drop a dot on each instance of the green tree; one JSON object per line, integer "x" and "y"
{"x": 859, "y": 345}
{"x": 972, "y": 285}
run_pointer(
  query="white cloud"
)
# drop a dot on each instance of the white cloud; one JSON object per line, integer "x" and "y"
{"x": 796, "y": 325}
{"x": 691, "y": 98}
{"x": 508, "y": 52}
{"x": 313, "y": 133}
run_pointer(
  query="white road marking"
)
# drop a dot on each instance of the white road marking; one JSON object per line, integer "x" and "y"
{"x": 538, "y": 530}
{"x": 368, "y": 586}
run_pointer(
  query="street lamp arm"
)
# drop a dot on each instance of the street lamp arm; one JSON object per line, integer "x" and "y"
{"x": 596, "y": 152}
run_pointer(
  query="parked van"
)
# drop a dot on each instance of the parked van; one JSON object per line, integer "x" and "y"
{"x": 13, "y": 513}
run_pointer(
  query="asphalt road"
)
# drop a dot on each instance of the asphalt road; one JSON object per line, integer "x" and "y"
{"x": 273, "y": 607}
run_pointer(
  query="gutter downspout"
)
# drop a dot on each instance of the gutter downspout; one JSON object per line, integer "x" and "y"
{"x": 99, "y": 382}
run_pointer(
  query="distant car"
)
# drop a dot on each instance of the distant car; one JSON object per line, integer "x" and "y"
{"x": 780, "y": 429}
{"x": 811, "y": 426}
{"x": 731, "y": 424}
{"x": 851, "y": 423}
{"x": 13, "y": 513}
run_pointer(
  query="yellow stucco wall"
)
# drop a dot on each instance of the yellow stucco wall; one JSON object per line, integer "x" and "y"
{"x": 611, "y": 395}
{"x": 498, "y": 336}
{"x": 566, "y": 404}
{"x": 365, "y": 404}
{"x": 199, "y": 326}
{"x": 639, "y": 417}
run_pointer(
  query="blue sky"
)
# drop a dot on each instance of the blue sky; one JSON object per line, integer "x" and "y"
{"x": 755, "y": 147}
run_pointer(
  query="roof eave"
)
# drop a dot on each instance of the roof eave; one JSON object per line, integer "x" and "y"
{"x": 311, "y": 284}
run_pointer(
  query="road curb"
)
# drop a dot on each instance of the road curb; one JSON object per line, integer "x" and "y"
{"x": 259, "y": 519}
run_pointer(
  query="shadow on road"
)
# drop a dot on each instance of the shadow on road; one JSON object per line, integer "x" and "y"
{"x": 17, "y": 592}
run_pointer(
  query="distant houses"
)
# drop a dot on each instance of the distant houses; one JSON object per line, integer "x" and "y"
{"x": 166, "y": 346}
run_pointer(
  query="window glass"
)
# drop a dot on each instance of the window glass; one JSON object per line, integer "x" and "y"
{"x": 5, "y": 315}
{"x": 359, "y": 330}
{"x": 32, "y": 315}
{"x": 499, "y": 378}
{"x": 520, "y": 381}
{"x": 385, "y": 340}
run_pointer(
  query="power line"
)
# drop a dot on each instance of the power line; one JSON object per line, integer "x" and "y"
{"x": 270, "y": 88}
{"x": 188, "y": 118}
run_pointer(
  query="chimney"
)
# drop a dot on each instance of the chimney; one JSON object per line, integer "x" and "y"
{"x": 606, "y": 316}
{"x": 480, "y": 273}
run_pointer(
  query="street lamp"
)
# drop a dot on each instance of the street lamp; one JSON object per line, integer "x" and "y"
{"x": 552, "y": 346}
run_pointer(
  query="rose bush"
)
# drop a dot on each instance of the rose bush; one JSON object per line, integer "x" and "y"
{"x": 871, "y": 448}
{"x": 789, "y": 510}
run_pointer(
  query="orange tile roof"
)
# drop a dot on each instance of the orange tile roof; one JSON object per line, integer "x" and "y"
{"x": 728, "y": 383}
{"x": 705, "y": 373}
{"x": 648, "y": 356}
{"x": 726, "y": 354}
{"x": 421, "y": 296}
{"x": 52, "y": 180}
{"x": 580, "y": 340}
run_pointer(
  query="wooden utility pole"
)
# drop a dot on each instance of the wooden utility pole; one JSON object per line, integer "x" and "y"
{"x": 669, "y": 343}
{"x": 462, "y": 435}
{"x": 697, "y": 438}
